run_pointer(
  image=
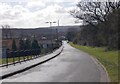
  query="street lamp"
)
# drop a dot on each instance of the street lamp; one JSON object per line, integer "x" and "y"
{"x": 50, "y": 23}
{"x": 51, "y": 31}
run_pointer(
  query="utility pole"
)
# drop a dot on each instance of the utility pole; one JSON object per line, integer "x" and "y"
{"x": 57, "y": 31}
{"x": 58, "y": 23}
{"x": 51, "y": 32}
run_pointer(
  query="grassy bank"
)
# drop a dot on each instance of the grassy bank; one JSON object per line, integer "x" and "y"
{"x": 108, "y": 58}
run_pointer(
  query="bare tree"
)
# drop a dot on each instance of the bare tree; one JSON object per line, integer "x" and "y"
{"x": 6, "y": 31}
{"x": 104, "y": 16}
{"x": 94, "y": 12}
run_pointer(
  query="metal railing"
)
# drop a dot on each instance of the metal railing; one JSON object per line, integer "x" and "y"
{"x": 13, "y": 57}
{"x": 19, "y": 56}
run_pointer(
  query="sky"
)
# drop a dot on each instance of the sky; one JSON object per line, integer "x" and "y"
{"x": 34, "y": 13}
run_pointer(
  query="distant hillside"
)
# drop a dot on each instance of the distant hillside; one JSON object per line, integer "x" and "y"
{"x": 45, "y": 31}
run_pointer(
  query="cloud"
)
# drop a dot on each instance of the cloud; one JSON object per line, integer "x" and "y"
{"x": 35, "y": 5}
{"x": 34, "y": 13}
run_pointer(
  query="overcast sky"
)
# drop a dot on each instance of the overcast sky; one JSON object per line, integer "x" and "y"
{"x": 34, "y": 13}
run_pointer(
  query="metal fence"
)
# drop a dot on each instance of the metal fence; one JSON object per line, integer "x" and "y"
{"x": 13, "y": 57}
{"x": 19, "y": 56}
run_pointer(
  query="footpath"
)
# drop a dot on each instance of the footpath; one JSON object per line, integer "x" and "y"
{"x": 18, "y": 68}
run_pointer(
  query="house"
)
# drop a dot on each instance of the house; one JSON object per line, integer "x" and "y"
{"x": 46, "y": 43}
{"x": 7, "y": 43}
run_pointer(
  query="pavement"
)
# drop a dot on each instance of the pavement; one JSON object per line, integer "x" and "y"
{"x": 71, "y": 65}
{"x": 27, "y": 64}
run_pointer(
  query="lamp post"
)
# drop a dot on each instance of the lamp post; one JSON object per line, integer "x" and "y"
{"x": 57, "y": 34}
{"x": 51, "y": 35}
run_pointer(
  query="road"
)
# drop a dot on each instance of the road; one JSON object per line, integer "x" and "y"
{"x": 71, "y": 65}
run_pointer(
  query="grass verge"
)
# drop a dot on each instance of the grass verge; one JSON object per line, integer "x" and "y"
{"x": 10, "y": 60}
{"x": 108, "y": 58}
